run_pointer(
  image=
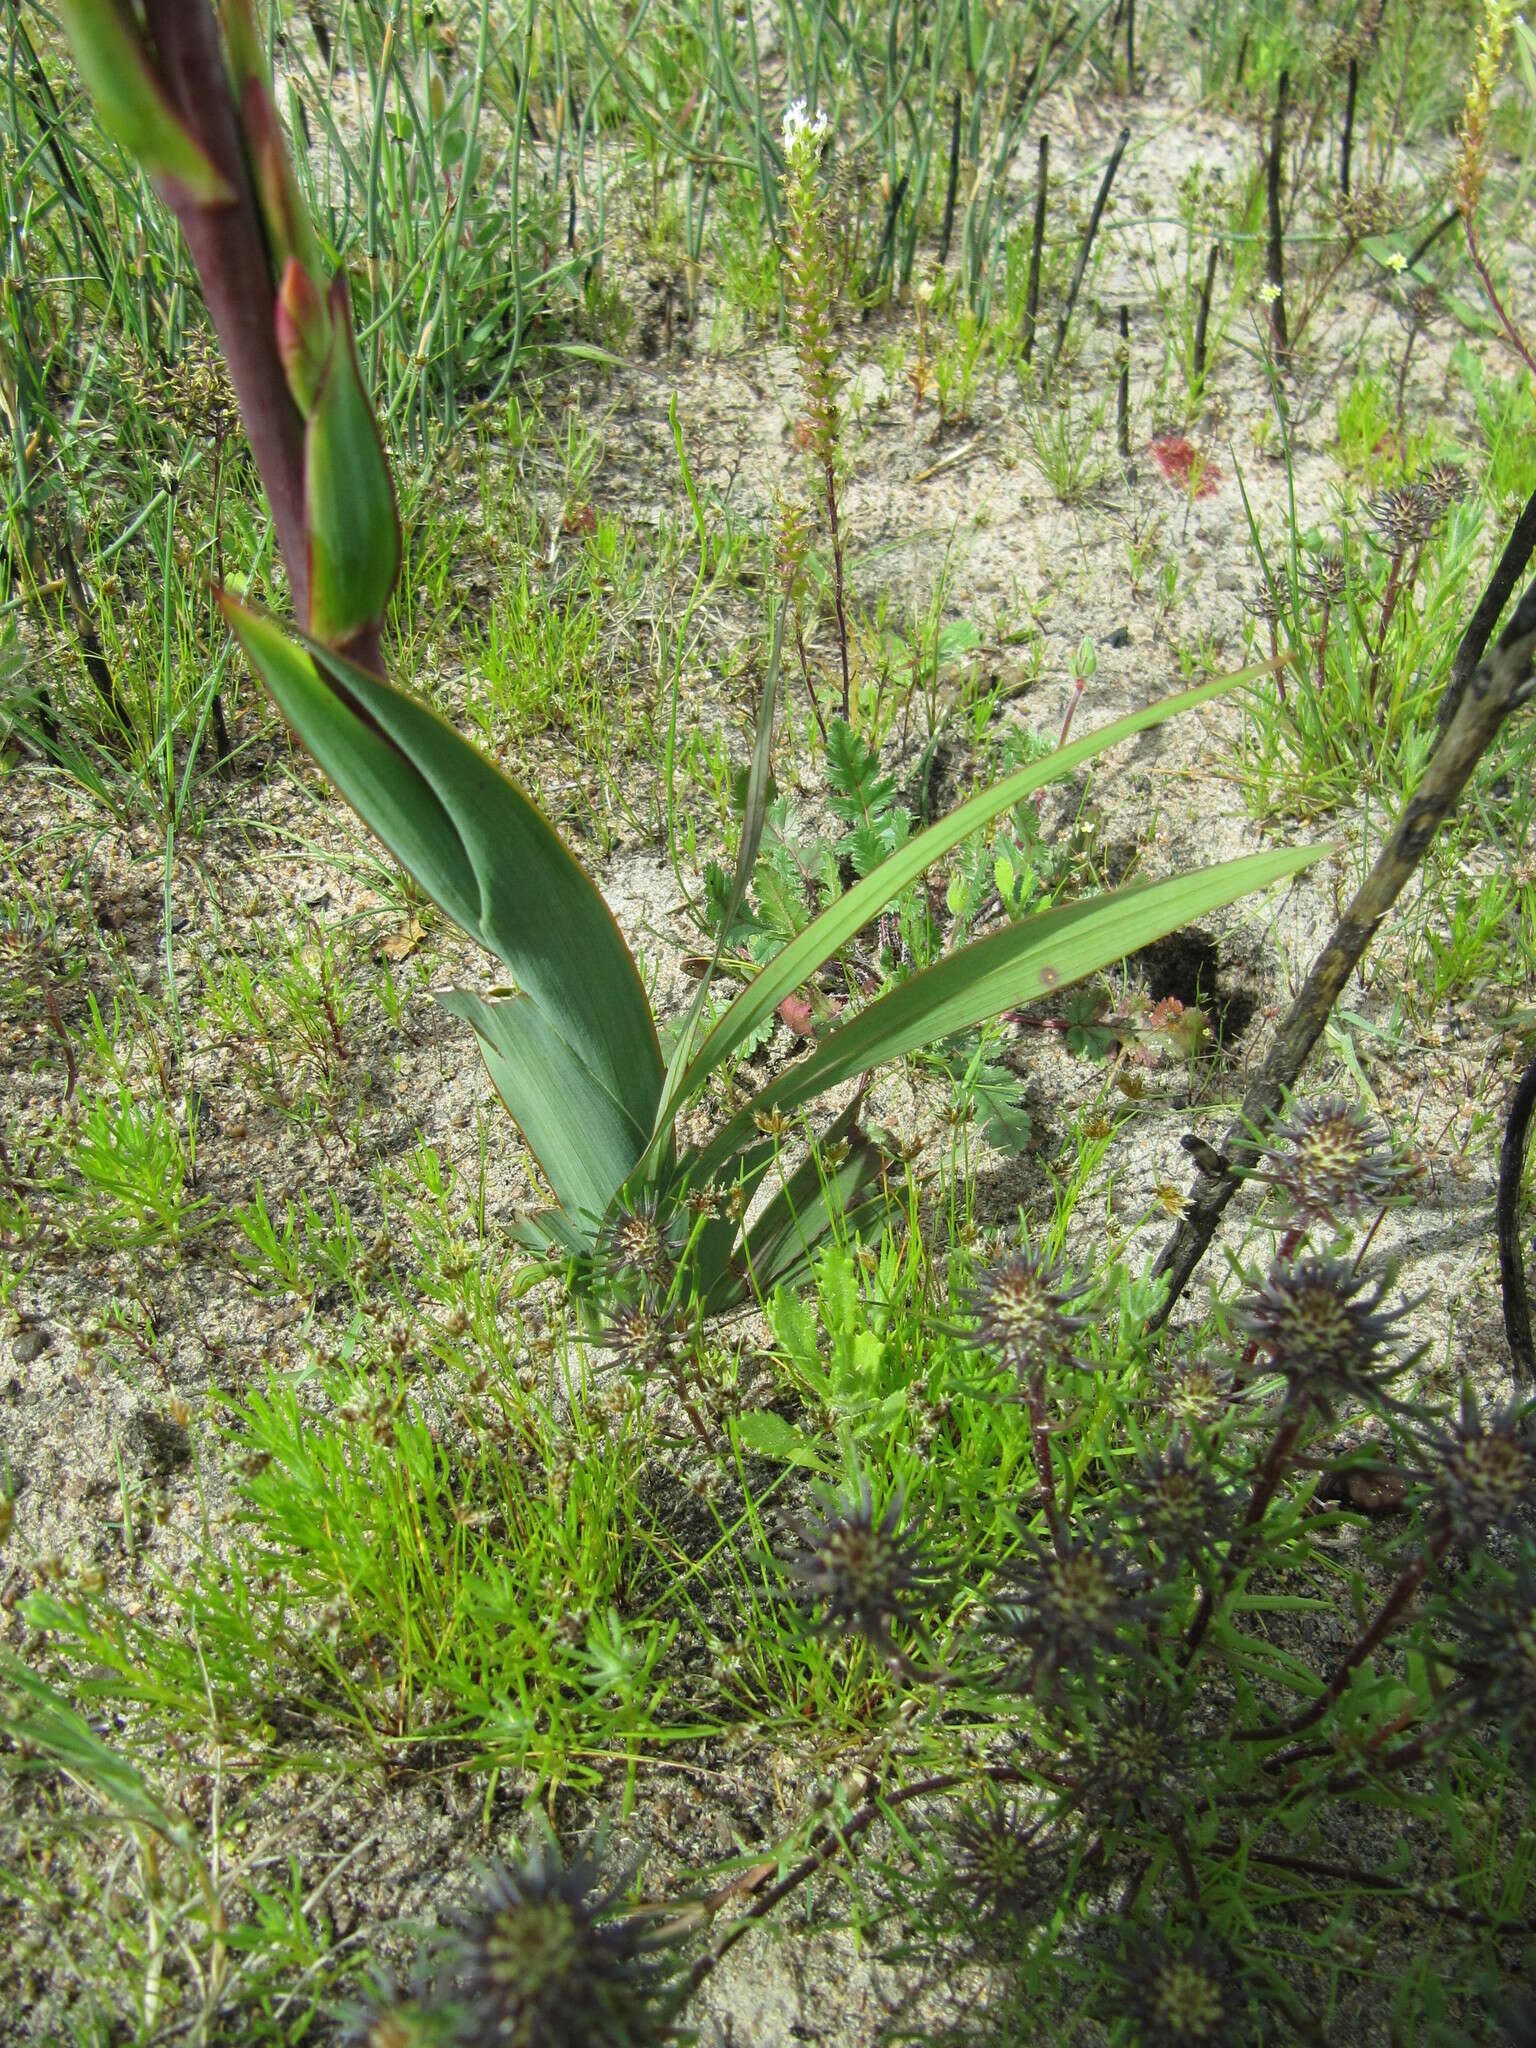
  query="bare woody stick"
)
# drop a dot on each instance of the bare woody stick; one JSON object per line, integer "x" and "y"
{"x": 1495, "y": 688}
{"x": 1276, "y": 252}
{"x": 1101, "y": 200}
{"x": 1203, "y": 315}
{"x": 1037, "y": 243}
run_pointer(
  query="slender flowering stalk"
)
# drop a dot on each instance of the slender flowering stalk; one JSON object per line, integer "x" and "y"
{"x": 810, "y": 292}
{"x": 1471, "y": 169}
{"x": 194, "y": 108}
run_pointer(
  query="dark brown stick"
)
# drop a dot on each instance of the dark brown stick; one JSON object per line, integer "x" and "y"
{"x": 953, "y": 186}
{"x": 1203, "y": 317}
{"x": 1349, "y": 124}
{"x": 1276, "y": 256}
{"x": 1517, "y": 1307}
{"x": 1101, "y": 200}
{"x": 1493, "y": 692}
{"x": 1032, "y": 289}
{"x": 1518, "y": 550}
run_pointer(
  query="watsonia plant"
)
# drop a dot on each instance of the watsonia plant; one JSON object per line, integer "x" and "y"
{"x": 569, "y": 1037}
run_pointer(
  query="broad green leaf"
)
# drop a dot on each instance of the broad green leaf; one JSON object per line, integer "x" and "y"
{"x": 576, "y": 1130}
{"x": 482, "y": 851}
{"x": 823, "y": 1189}
{"x": 838, "y": 923}
{"x": 1028, "y": 960}
{"x": 769, "y": 1436}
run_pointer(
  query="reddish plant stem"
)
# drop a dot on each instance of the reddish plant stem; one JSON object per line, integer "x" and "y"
{"x": 837, "y": 578}
{"x": 1512, "y": 333}
{"x": 1040, "y": 1443}
{"x": 1264, "y": 1485}
{"x": 1388, "y": 607}
{"x": 1408, "y": 1584}
{"x": 1368, "y": 1880}
{"x": 229, "y": 249}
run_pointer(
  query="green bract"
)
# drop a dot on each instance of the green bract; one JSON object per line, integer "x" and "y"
{"x": 571, "y": 1044}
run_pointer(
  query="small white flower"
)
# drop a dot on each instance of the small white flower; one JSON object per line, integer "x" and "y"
{"x": 803, "y": 128}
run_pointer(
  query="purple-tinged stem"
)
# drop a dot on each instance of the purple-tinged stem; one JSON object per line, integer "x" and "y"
{"x": 229, "y": 249}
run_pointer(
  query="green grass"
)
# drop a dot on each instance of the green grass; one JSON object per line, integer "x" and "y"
{"x": 446, "y": 1557}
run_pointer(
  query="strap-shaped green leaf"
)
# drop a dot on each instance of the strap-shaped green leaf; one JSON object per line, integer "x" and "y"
{"x": 866, "y": 899}
{"x": 1028, "y": 960}
{"x": 349, "y": 497}
{"x": 823, "y": 1188}
{"x": 581, "y": 1138}
{"x": 485, "y": 854}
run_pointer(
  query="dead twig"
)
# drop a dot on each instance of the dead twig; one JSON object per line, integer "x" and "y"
{"x": 1494, "y": 689}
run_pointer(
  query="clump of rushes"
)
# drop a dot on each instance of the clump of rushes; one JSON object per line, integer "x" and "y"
{"x": 862, "y": 1574}
{"x": 810, "y": 293}
{"x": 546, "y": 1960}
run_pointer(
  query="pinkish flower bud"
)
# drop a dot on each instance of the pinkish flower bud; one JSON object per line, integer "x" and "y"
{"x": 303, "y": 334}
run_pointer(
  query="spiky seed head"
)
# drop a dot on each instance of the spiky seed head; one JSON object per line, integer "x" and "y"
{"x": 1328, "y": 1160}
{"x": 1327, "y": 578}
{"x": 1178, "y": 1505}
{"x": 1406, "y": 517}
{"x": 1182, "y": 1995}
{"x": 1135, "y": 1760}
{"x": 1066, "y": 1607}
{"x": 1319, "y": 1327}
{"x": 861, "y": 1570}
{"x": 1198, "y": 1390}
{"x": 392, "y": 2020}
{"x": 1444, "y": 483}
{"x": 1497, "y": 1656}
{"x": 635, "y": 1240}
{"x": 1487, "y": 1468}
{"x": 545, "y": 1960}
{"x": 1263, "y": 603}
{"x": 643, "y": 1337}
{"x": 1011, "y": 1869}
{"x": 1021, "y": 1315}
